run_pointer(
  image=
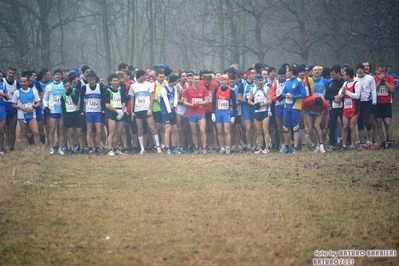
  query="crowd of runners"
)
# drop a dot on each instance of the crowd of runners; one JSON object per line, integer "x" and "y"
{"x": 260, "y": 110}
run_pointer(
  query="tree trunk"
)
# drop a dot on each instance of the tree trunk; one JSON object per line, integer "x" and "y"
{"x": 106, "y": 36}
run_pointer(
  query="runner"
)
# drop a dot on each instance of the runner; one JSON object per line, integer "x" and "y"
{"x": 276, "y": 90}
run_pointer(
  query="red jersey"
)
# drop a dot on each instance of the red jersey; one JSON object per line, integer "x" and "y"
{"x": 350, "y": 105}
{"x": 212, "y": 86}
{"x": 383, "y": 94}
{"x": 223, "y": 99}
{"x": 195, "y": 96}
{"x": 127, "y": 105}
{"x": 308, "y": 105}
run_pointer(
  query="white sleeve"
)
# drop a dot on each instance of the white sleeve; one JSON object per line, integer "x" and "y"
{"x": 355, "y": 95}
{"x": 15, "y": 97}
{"x": 176, "y": 101}
{"x": 36, "y": 96}
{"x": 46, "y": 97}
{"x": 340, "y": 94}
{"x": 131, "y": 91}
{"x": 373, "y": 91}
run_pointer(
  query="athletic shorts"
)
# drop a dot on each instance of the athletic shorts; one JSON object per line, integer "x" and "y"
{"x": 157, "y": 117}
{"x": 279, "y": 110}
{"x": 9, "y": 110}
{"x": 111, "y": 115}
{"x": 39, "y": 114}
{"x": 222, "y": 116}
{"x": 260, "y": 116}
{"x": 181, "y": 110}
{"x": 169, "y": 118}
{"x": 25, "y": 120}
{"x": 291, "y": 119}
{"x": 141, "y": 114}
{"x": 208, "y": 116}
{"x": 55, "y": 115}
{"x": 196, "y": 117}
{"x": 383, "y": 110}
{"x": 74, "y": 120}
{"x": 237, "y": 121}
{"x": 3, "y": 113}
{"x": 312, "y": 115}
{"x": 248, "y": 112}
{"x": 93, "y": 117}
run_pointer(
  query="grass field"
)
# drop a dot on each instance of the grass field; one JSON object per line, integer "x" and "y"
{"x": 209, "y": 209}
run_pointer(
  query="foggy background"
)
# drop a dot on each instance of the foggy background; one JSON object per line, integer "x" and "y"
{"x": 184, "y": 34}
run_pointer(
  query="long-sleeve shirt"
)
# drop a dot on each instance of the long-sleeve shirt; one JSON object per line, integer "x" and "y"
{"x": 295, "y": 87}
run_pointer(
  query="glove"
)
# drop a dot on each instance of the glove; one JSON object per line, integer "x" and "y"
{"x": 103, "y": 118}
{"x": 269, "y": 113}
{"x": 172, "y": 116}
{"x": 280, "y": 98}
{"x": 47, "y": 110}
{"x": 232, "y": 120}
{"x": 213, "y": 117}
{"x": 257, "y": 106}
{"x": 120, "y": 115}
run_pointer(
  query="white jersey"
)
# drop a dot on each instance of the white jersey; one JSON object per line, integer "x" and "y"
{"x": 141, "y": 93}
{"x": 93, "y": 99}
{"x": 181, "y": 109}
{"x": 368, "y": 89}
{"x": 260, "y": 96}
{"x": 279, "y": 90}
{"x": 10, "y": 88}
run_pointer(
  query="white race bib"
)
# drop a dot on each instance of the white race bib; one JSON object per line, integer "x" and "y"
{"x": 196, "y": 100}
{"x": 348, "y": 103}
{"x": 71, "y": 104}
{"x": 142, "y": 101}
{"x": 288, "y": 101}
{"x": 337, "y": 105}
{"x": 223, "y": 104}
{"x": 92, "y": 104}
{"x": 57, "y": 99}
{"x": 383, "y": 91}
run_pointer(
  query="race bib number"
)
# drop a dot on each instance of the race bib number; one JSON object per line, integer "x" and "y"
{"x": 210, "y": 97}
{"x": 71, "y": 105}
{"x": 92, "y": 104}
{"x": 10, "y": 94}
{"x": 383, "y": 91}
{"x": 307, "y": 90}
{"x": 289, "y": 101}
{"x": 223, "y": 104}
{"x": 57, "y": 100}
{"x": 348, "y": 103}
{"x": 196, "y": 100}
{"x": 118, "y": 101}
{"x": 142, "y": 101}
{"x": 336, "y": 105}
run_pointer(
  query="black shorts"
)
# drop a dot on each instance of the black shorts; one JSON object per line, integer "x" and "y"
{"x": 157, "y": 117}
{"x": 111, "y": 115}
{"x": 260, "y": 116}
{"x": 74, "y": 120}
{"x": 383, "y": 110}
{"x": 141, "y": 115}
{"x": 237, "y": 120}
{"x": 208, "y": 116}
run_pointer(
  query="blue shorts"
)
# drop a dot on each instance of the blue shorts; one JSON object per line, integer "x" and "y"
{"x": 93, "y": 117}
{"x": 279, "y": 110}
{"x": 55, "y": 115}
{"x": 25, "y": 120}
{"x": 312, "y": 115}
{"x": 222, "y": 116}
{"x": 10, "y": 112}
{"x": 3, "y": 114}
{"x": 169, "y": 119}
{"x": 248, "y": 112}
{"x": 196, "y": 117}
{"x": 39, "y": 114}
{"x": 291, "y": 119}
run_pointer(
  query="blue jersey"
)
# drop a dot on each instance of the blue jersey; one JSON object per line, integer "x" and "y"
{"x": 295, "y": 87}
{"x": 4, "y": 89}
{"x": 27, "y": 99}
{"x": 320, "y": 87}
{"x": 171, "y": 98}
{"x": 56, "y": 92}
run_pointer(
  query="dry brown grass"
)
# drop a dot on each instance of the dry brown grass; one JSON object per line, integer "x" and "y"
{"x": 195, "y": 209}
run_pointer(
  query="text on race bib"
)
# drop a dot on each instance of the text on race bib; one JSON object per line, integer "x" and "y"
{"x": 336, "y": 105}
{"x": 223, "y": 104}
{"x": 196, "y": 100}
{"x": 383, "y": 91}
{"x": 142, "y": 101}
{"x": 348, "y": 103}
